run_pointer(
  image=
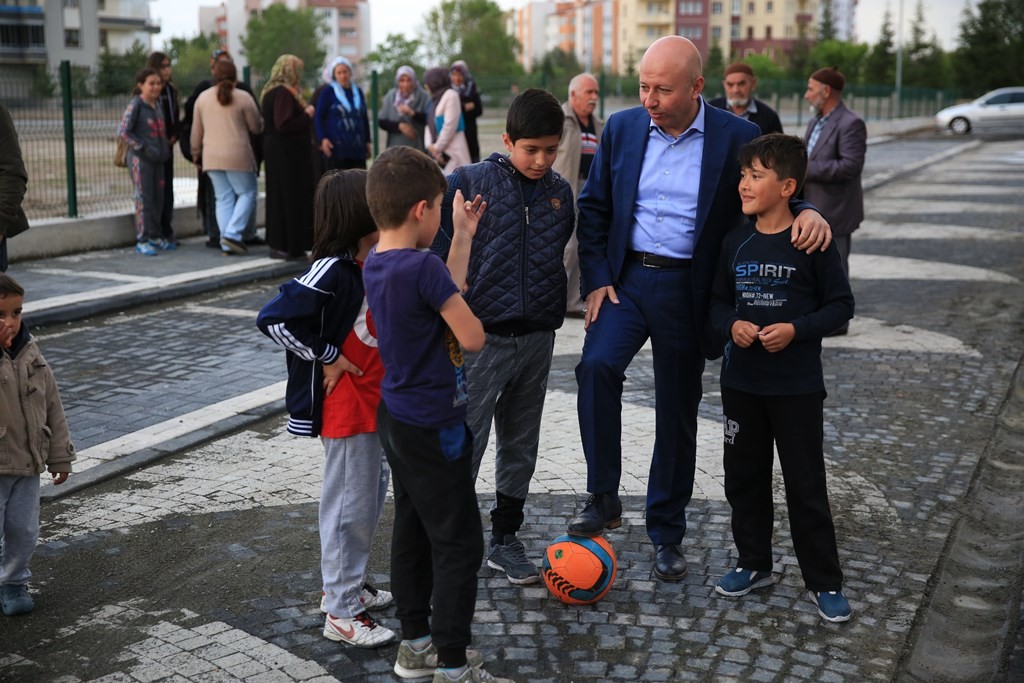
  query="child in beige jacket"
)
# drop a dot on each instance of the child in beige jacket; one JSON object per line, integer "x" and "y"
{"x": 33, "y": 438}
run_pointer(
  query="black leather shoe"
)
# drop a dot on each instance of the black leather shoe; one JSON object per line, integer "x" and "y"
{"x": 669, "y": 563}
{"x": 602, "y": 511}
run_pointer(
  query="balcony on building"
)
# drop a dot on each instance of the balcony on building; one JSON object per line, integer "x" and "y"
{"x": 22, "y": 34}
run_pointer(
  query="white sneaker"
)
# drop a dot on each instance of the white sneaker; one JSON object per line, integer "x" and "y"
{"x": 372, "y": 598}
{"x": 469, "y": 675}
{"x": 360, "y": 630}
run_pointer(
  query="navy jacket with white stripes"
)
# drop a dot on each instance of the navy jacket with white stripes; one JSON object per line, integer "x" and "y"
{"x": 310, "y": 317}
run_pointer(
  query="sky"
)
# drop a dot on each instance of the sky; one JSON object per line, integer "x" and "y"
{"x": 181, "y": 17}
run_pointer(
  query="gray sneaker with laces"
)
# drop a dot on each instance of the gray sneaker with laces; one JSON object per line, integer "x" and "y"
{"x": 413, "y": 664}
{"x": 510, "y": 557}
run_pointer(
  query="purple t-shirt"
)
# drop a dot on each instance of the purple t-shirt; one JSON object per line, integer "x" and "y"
{"x": 424, "y": 381}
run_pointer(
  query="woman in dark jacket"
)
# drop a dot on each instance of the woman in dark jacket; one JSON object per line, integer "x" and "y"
{"x": 286, "y": 121}
{"x": 342, "y": 126}
{"x": 171, "y": 108}
{"x": 472, "y": 106}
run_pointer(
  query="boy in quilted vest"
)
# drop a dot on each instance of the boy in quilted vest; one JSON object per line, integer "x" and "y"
{"x": 517, "y": 288}
{"x": 33, "y": 439}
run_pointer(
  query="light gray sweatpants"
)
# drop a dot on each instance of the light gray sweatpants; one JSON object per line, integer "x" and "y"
{"x": 19, "y": 520}
{"x": 355, "y": 483}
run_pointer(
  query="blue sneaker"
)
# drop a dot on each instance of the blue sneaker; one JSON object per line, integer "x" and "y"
{"x": 832, "y": 605}
{"x": 741, "y": 581}
{"x": 146, "y": 249}
{"x": 15, "y": 600}
{"x": 164, "y": 245}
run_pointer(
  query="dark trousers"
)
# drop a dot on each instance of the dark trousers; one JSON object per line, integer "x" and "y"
{"x": 655, "y": 304}
{"x": 753, "y": 424}
{"x": 437, "y": 544}
{"x": 166, "y": 231}
{"x": 344, "y": 164}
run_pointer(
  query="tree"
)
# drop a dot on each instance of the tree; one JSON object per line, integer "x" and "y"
{"x": 714, "y": 67}
{"x": 848, "y": 57}
{"x": 991, "y": 43}
{"x": 880, "y": 63}
{"x": 800, "y": 56}
{"x": 280, "y": 31}
{"x": 115, "y": 74}
{"x": 557, "y": 65}
{"x": 473, "y": 30}
{"x": 395, "y": 51}
{"x": 924, "y": 63}
{"x": 191, "y": 59}
{"x": 827, "y": 29}
{"x": 765, "y": 67}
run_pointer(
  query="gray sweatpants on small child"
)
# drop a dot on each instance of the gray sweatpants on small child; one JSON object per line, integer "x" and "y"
{"x": 19, "y": 520}
{"x": 356, "y": 477}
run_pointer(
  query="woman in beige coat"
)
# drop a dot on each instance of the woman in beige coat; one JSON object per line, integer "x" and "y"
{"x": 221, "y": 126}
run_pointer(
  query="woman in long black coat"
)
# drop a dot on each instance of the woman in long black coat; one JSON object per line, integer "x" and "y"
{"x": 290, "y": 182}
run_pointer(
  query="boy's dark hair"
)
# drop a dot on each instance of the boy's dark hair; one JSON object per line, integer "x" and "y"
{"x": 9, "y": 286}
{"x": 535, "y": 113}
{"x": 341, "y": 216}
{"x": 784, "y": 154}
{"x": 400, "y": 178}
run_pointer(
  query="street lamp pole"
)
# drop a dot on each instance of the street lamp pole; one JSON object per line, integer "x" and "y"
{"x": 899, "y": 61}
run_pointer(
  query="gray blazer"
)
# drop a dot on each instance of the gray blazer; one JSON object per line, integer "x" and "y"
{"x": 834, "y": 170}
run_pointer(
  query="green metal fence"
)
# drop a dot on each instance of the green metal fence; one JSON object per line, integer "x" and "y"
{"x": 68, "y": 138}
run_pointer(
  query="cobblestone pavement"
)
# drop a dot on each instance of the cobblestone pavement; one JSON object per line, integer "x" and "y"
{"x": 204, "y": 565}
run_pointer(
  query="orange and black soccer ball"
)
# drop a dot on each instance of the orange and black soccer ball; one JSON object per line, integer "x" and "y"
{"x": 579, "y": 570}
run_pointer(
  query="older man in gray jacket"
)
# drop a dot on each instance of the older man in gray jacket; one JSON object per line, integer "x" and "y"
{"x": 836, "y": 140}
{"x": 580, "y": 135}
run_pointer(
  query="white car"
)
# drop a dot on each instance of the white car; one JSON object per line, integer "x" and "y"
{"x": 999, "y": 109}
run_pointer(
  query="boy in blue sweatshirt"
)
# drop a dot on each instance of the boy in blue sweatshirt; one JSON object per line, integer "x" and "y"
{"x": 774, "y": 304}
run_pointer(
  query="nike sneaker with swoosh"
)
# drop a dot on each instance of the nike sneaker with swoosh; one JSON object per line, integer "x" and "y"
{"x": 360, "y": 630}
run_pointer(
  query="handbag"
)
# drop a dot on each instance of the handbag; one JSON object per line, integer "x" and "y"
{"x": 121, "y": 153}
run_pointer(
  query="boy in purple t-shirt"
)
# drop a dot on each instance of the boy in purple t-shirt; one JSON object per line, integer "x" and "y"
{"x": 422, "y": 326}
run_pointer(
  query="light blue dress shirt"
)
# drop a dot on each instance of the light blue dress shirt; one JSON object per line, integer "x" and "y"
{"x": 665, "y": 214}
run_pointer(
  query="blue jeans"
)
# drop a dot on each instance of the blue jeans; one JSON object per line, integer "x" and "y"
{"x": 19, "y": 527}
{"x": 236, "y": 200}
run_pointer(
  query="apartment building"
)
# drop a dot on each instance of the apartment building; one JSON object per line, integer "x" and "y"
{"x": 612, "y": 35}
{"x": 46, "y": 32}
{"x": 346, "y": 22}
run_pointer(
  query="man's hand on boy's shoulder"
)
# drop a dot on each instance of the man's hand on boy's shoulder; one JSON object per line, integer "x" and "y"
{"x": 811, "y": 232}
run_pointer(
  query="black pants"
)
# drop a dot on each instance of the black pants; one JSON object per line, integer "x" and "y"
{"x": 167, "y": 214}
{"x": 752, "y": 425}
{"x": 437, "y": 544}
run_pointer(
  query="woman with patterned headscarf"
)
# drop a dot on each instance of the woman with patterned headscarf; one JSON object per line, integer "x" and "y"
{"x": 472, "y": 105}
{"x": 290, "y": 183}
{"x": 445, "y": 135}
{"x": 342, "y": 125}
{"x": 404, "y": 111}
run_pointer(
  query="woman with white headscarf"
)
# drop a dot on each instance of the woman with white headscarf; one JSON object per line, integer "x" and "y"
{"x": 342, "y": 126}
{"x": 404, "y": 111}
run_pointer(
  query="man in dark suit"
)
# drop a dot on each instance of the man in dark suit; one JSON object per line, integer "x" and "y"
{"x": 739, "y": 85}
{"x": 836, "y": 140}
{"x": 661, "y": 194}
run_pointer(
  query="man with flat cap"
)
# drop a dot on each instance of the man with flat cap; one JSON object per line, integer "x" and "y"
{"x": 836, "y": 140}
{"x": 739, "y": 84}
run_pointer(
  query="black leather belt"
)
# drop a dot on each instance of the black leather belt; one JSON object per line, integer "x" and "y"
{"x": 655, "y": 261}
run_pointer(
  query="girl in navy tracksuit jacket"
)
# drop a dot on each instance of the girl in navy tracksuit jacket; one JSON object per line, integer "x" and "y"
{"x": 334, "y": 377}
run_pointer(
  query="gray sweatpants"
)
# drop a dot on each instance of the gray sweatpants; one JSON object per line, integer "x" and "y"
{"x": 507, "y": 382}
{"x": 19, "y": 520}
{"x": 355, "y": 483}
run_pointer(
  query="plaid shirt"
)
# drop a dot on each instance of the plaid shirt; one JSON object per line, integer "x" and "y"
{"x": 816, "y": 131}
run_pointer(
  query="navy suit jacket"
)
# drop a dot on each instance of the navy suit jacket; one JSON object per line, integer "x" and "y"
{"x": 608, "y": 198}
